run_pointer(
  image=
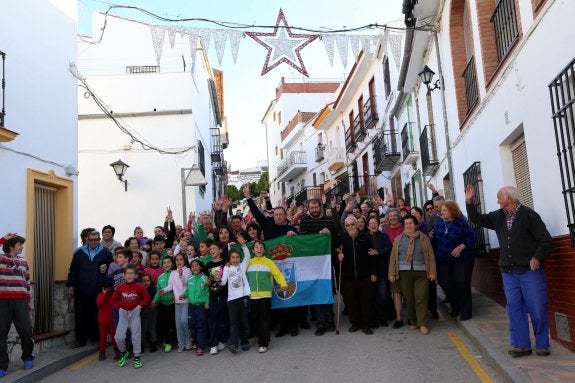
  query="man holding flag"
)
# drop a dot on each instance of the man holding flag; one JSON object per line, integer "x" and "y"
{"x": 315, "y": 222}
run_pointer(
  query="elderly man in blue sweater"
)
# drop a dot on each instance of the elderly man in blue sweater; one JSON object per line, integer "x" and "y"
{"x": 524, "y": 242}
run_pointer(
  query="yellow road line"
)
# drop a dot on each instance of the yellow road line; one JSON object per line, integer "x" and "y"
{"x": 83, "y": 363}
{"x": 473, "y": 363}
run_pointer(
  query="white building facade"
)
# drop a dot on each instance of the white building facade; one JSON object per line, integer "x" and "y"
{"x": 38, "y": 150}
{"x": 502, "y": 114}
{"x": 158, "y": 114}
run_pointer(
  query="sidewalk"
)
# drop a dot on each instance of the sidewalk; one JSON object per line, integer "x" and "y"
{"x": 489, "y": 331}
{"x": 46, "y": 363}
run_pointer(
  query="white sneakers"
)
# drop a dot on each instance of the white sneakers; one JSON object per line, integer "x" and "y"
{"x": 213, "y": 351}
{"x": 263, "y": 349}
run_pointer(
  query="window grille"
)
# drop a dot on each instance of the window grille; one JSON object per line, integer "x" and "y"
{"x": 562, "y": 93}
{"x": 472, "y": 176}
{"x": 142, "y": 69}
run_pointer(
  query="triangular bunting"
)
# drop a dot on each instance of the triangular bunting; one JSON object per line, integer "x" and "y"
{"x": 205, "y": 33}
{"x": 328, "y": 41}
{"x": 158, "y": 34}
{"x": 366, "y": 43}
{"x": 235, "y": 38}
{"x": 395, "y": 42}
{"x": 220, "y": 37}
{"x": 193, "y": 39}
{"x": 354, "y": 41}
{"x": 172, "y": 35}
{"x": 341, "y": 42}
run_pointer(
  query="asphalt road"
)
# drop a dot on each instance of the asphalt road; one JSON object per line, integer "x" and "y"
{"x": 388, "y": 355}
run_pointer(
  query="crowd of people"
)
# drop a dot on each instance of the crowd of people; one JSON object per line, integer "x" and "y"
{"x": 188, "y": 288}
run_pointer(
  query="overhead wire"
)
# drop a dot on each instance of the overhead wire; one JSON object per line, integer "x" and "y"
{"x": 145, "y": 144}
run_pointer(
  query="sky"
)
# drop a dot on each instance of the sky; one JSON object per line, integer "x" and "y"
{"x": 247, "y": 93}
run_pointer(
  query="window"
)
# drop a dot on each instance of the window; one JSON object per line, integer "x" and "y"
{"x": 279, "y": 117}
{"x": 386, "y": 77}
{"x": 521, "y": 171}
{"x": 276, "y": 150}
{"x": 142, "y": 69}
{"x": 504, "y": 21}
{"x": 472, "y": 176}
{"x": 281, "y": 154}
{"x": 561, "y": 91}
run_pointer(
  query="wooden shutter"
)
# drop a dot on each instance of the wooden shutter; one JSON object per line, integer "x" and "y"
{"x": 521, "y": 170}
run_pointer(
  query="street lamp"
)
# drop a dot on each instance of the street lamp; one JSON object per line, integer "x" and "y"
{"x": 426, "y": 76}
{"x": 120, "y": 169}
{"x": 194, "y": 177}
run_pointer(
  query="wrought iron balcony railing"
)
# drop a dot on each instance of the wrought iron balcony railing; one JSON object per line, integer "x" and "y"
{"x": 470, "y": 78}
{"x": 407, "y": 145}
{"x": 370, "y": 116}
{"x": 386, "y": 151}
{"x": 429, "y": 160}
{"x": 293, "y": 160}
{"x": 504, "y": 21}
{"x": 319, "y": 153}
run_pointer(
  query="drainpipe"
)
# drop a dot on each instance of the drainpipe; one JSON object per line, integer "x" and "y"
{"x": 445, "y": 122}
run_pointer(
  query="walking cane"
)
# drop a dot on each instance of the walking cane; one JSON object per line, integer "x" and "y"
{"x": 338, "y": 299}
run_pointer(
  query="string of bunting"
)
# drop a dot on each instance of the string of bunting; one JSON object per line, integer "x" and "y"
{"x": 282, "y": 45}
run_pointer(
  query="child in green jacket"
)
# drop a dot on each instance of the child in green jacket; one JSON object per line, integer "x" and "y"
{"x": 198, "y": 295}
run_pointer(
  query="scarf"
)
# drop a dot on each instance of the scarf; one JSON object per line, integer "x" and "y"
{"x": 411, "y": 245}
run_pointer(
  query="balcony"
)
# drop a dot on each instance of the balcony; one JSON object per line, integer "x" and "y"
{"x": 358, "y": 128}
{"x": 365, "y": 185}
{"x": 386, "y": 151}
{"x": 216, "y": 145}
{"x": 299, "y": 119}
{"x": 370, "y": 116}
{"x": 308, "y": 193}
{"x": 319, "y": 153}
{"x": 220, "y": 168}
{"x": 407, "y": 146}
{"x": 429, "y": 160}
{"x": 504, "y": 21}
{"x": 294, "y": 164}
{"x": 350, "y": 143}
{"x": 470, "y": 78}
{"x": 339, "y": 189}
{"x": 335, "y": 159}
{"x": 142, "y": 69}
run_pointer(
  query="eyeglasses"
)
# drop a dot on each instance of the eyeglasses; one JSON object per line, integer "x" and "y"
{"x": 428, "y": 208}
{"x": 349, "y": 224}
{"x": 93, "y": 239}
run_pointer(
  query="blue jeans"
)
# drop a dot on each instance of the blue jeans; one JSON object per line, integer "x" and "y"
{"x": 197, "y": 316}
{"x": 182, "y": 326}
{"x": 527, "y": 294}
{"x": 218, "y": 321}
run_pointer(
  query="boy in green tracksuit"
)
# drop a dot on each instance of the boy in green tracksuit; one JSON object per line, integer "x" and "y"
{"x": 166, "y": 310}
{"x": 198, "y": 295}
{"x": 261, "y": 273}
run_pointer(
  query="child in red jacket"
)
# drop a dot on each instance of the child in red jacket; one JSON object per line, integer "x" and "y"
{"x": 105, "y": 318}
{"x": 129, "y": 298}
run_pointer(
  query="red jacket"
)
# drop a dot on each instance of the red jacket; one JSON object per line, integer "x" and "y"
{"x": 104, "y": 302}
{"x": 154, "y": 273}
{"x": 129, "y": 295}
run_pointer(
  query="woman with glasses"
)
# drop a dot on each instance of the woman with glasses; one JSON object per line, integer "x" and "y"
{"x": 453, "y": 241}
{"x": 358, "y": 275}
{"x": 412, "y": 264}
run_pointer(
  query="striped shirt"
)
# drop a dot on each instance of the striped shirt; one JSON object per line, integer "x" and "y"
{"x": 14, "y": 278}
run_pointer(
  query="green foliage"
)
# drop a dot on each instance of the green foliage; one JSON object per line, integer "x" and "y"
{"x": 233, "y": 193}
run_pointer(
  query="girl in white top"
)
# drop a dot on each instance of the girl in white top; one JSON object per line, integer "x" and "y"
{"x": 177, "y": 283}
{"x": 238, "y": 296}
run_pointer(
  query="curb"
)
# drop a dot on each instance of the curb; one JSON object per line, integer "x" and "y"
{"x": 48, "y": 366}
{"x": 501, "y": 362}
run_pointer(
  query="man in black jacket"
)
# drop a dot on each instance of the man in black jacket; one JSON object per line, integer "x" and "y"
{"x": 524, "y": 242}
{"x": 88, "y": 267}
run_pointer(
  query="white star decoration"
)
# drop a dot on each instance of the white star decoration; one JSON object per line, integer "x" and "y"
{"x": 283, "y": 45}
